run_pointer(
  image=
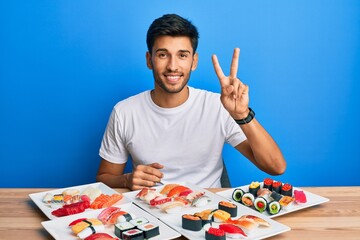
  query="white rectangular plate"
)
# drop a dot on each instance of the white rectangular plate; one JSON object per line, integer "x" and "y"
{"x": 38, "y": 197}
{"x": 175, "y": 220}
{"x": 312, "y": 200}
{"x": 59, "y": 229}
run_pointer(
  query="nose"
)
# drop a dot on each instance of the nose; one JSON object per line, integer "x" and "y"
{"x": 172, "y": 65}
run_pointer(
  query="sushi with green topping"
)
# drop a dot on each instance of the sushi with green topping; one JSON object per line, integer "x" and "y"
{"x": 273, "y": 207}
{"x": 237, "y": 194}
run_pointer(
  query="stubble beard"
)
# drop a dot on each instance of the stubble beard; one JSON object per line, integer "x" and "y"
{"x": 163, "y": 86}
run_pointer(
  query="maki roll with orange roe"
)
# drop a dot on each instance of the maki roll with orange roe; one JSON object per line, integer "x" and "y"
{"x": 191, "y": 222}
{"x": 287, "y": 189}
{"x": 228, "y": 207}
{"x": 276, "y": 187}
{"x": 268, "y": 183}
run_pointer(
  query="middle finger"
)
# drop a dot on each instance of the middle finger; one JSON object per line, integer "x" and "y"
{"x": 235, "y": 63}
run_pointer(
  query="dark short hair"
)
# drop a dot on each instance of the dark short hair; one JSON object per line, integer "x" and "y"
{"x": 172, "y": 25}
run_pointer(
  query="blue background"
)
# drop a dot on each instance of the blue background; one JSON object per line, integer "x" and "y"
{"x": 64, "y": 65}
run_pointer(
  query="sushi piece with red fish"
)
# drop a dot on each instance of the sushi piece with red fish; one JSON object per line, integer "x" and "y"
{"x": 232, "y": 231}
{"x": 110, "y": 214}
{"x": 176, "y": 191}
{"x": 102, "y": 236}
{"x": 143, "y": 192}
{"x": 215, "y": 234}
{"x": 300, "y": 196}
{"x": 157, "y": 201}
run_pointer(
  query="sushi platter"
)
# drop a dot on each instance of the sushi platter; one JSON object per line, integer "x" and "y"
{"x": 168, "y": 211}
{"x": 272, "y": 198}
{"x": 59, "y": 229}
{"x": 208, "y": 204}
{"x": 55, "y": 201}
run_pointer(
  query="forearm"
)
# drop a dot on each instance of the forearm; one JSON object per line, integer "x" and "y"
{"x": 265, "y": 153}
{"x": 114, "y": 181}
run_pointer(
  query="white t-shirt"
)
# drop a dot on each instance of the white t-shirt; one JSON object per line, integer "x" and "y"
{"x": 188, "y": 140}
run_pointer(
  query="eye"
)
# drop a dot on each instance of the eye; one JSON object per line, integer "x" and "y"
{"x": 162, "y": 55}
{"x": 183, "y": 55}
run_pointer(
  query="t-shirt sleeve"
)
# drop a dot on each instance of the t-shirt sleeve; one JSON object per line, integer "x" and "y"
{"x": 113, "y": 146}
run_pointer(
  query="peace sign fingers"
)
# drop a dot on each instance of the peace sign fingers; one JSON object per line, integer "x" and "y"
{"x": 234, "y": 63}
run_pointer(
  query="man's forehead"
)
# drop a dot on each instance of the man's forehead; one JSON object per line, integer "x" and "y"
{"x": 172, "y": 44}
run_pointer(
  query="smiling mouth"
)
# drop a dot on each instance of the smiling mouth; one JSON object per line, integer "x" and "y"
{"x": 173, "y": 78}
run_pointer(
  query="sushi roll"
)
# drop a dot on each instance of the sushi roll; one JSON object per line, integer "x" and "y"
{"x": 237, "y": 194}
{"x": 133, "y": 234}
{"x": 265, "y": 193}
{"x": 215, "y": 234}
{"x": 122, "y": 227}
{"x": 276, "y": 187}
{"x": 276, "y": 196}
{"x": 232, "y": 231}
{"x": 287, "y": 190}
{"x": 268, "y": 183}
{"x": 228, "y": 207}
{"x": 253, "y": 188}
{"x": 273, "y": 207}
{"x": 125, "y": 217}
{"x": 191, "y": 222}
{"x": 138, "y": 221}
{"x": 150, "y": 230}
{"x": 260, "y": 204}
{"x": 248, "y": 199}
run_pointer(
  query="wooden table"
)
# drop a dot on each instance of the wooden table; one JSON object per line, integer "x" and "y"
{"x": 20, "y": 218}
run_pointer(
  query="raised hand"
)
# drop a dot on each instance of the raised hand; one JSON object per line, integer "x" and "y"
{"x": 234, "y": 93}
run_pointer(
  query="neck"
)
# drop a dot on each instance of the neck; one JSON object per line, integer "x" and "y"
{"x": 169, "y": 100}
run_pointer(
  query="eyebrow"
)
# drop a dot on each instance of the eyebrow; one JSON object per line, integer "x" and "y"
{"x": 165, "y": 50}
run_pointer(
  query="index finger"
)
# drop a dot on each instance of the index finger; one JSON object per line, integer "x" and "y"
{"x": 235, "y": 63}
{"x": 154, "y": 169}
{"x": 217, "y": 68}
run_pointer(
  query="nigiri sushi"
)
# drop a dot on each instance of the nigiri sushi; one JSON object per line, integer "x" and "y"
{"x": 232, "y": 231}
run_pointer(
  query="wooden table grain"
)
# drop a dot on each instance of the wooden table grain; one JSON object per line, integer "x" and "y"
{"x": 339, "y": 218}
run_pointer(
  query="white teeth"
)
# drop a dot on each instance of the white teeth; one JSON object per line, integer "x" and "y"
{"x": 173, "y": 78}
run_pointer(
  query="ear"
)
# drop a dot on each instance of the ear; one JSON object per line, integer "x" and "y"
{"x": 195, "y": 62}
{"x": 148, "y": 61}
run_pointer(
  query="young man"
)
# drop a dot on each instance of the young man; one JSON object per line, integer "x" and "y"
{"x": 176, "y": 133}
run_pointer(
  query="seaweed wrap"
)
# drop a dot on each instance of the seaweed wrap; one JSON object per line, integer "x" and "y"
{"x": 268, "y": 183}
{"x": 149, "y": 230}
{"x": 276, "y": 187}
{"x": 287, "y": 190}
{"x": 273, "y": 207}
{"x": 215, "y": 234}
{"x": 276, "y": 196}
{"x": 237, "y": 194}
{"x": 260, "y": 204}
{"x": 248, "y": 199}
{"x": 253, "y": 188}
{"x": 191, "y": 222}
{"x": 228, "y": 207}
